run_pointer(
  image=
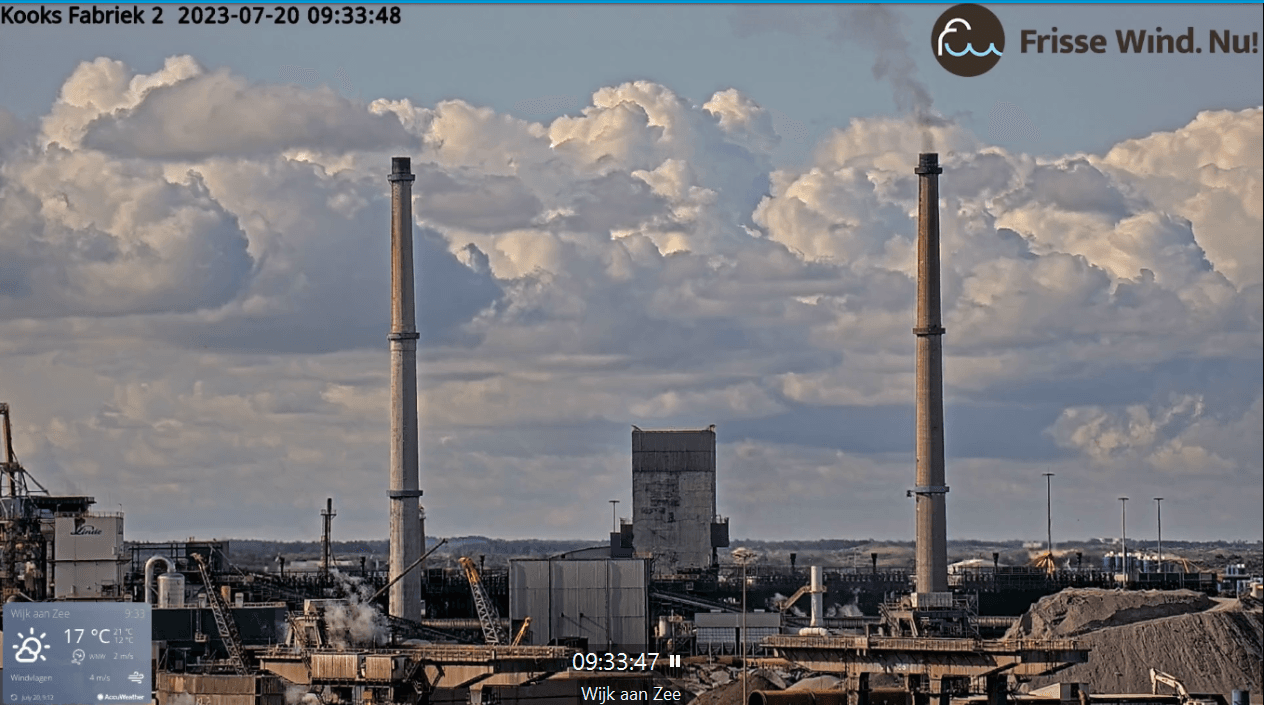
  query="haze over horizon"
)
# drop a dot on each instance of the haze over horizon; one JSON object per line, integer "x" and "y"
{"x": 705, "y": 218}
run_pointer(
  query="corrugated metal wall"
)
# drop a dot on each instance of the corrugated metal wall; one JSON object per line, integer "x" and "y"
{"x": 341, "y": 667}
{"x": 220, "y": 689}
{"x": 605, "y": 601}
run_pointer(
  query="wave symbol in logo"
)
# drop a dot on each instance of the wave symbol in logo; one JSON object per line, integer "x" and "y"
{"x": 956, "y": 34}
{"x": 969, "y": 47}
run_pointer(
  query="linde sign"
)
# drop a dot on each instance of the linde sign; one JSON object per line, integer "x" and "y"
{"x": 86, "y": 530}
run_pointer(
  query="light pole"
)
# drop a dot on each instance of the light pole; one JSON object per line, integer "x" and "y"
{"x": 1049, "y": 512}
{"x": 1123, "y": 523}
{"x": 614, "y": 516}
{"x": 743, "y": 556}
{"x": 1158, "y": 505}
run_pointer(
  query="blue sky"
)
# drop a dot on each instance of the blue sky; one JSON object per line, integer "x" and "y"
{"x": 498, "y": 56}
{"x": 668, "y": 216}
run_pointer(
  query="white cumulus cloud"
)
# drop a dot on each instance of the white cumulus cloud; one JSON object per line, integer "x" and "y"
{"x": 201, "y": 313}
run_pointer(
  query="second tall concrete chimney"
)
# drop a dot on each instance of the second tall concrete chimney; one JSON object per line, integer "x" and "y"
{"x": 932, "y": 524}
{"x": 406, "y": 548}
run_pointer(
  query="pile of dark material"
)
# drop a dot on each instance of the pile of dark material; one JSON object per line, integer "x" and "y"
{"x": 1212, "y": 646}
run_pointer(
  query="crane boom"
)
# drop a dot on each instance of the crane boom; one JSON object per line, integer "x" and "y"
{"x": 493, "y": 633}
{"x": 227, "y": 626}
{"x": 787, "y": 604}
{"x": 522, "y": 631}
{"x": 1157, "y": 677}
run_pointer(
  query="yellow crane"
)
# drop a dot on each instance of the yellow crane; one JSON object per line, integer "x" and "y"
{"x": 493, "y": 633}
{"x": 522, "y": 631}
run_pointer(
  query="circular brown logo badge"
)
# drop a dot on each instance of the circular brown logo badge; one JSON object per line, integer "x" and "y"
{"x": 968, "y": 40}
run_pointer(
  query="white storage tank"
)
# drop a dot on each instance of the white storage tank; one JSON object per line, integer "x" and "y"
{"x": 171, "y": 590}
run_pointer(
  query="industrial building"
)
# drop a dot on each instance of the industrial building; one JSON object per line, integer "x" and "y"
{"x": 674, "y": 519}
{"x": 88, "y": 556}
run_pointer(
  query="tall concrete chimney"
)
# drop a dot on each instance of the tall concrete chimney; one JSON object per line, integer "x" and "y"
{"x": 405, "y": 595}
{"x": 932, "y": 525}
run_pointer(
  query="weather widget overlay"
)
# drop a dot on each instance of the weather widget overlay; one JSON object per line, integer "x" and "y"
{"x": 77, "y": 653}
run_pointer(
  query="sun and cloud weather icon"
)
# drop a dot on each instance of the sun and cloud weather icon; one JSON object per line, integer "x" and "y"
{"x": 31, "y": 649}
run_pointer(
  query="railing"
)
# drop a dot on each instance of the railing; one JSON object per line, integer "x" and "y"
{"x": 881, "y": 643}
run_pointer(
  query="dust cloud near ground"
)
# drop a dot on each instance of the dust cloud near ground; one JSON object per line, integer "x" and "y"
{"x": 1211, "y": 647}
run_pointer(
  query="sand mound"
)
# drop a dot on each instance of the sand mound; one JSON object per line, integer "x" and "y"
{"x": 1129, "y": 633}
{"x": 1080, "y": 611}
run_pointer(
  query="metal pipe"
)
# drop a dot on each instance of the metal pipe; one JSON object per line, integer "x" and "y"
{"x": 9, "y": 464}
{"x": 149, "y": 576}
{"x": 743, "y": 644}
{"x": 818, "y": 597}
{"x": 1049, "y": 510}
{"x": 326, "y": 538}
{"x": 405, "y": 548}
{"x": 407, "y": 570}
{"x": 1123, "y": 524}
{"x": 8, "y": 434}
{"x": 932, "y": 531}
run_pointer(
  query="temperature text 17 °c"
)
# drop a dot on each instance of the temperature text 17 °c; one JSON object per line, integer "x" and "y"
{"x": 105, "y": 636}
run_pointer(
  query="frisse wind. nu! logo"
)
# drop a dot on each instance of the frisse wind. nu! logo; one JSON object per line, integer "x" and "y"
{"x": 968, "y": 40}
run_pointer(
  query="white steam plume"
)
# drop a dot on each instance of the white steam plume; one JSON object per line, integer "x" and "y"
{"x": 851, "y": 609}
{"x": 776, "y": 602}
{"x": 357, "y": 623}
{"x": 298, "y": 695}
{"x": 847, "y": 610}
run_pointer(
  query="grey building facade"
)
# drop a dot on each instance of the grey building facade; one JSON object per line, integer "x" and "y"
{"x": 674, "y": 519}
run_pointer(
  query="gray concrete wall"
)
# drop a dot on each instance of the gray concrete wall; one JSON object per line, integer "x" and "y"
{"x": 673, "y": 498}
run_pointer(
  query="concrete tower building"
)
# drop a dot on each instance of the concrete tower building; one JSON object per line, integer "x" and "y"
{"x": 406, "y": 537}
{"x": 932, "y": 532}
{"x": 674, "y": 518}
